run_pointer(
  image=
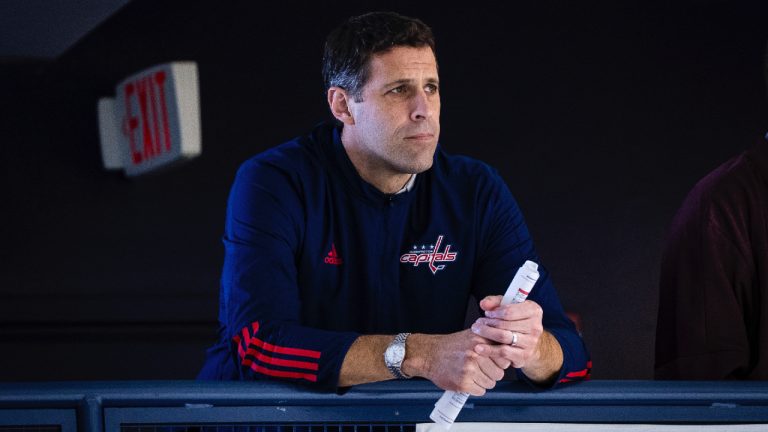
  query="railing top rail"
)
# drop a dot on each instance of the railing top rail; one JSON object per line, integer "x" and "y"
{"x": 169, "y": 393}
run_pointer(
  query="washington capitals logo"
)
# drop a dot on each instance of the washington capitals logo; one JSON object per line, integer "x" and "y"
{"x": 429, "y": 254}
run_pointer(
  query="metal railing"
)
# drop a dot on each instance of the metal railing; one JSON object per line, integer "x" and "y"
{"x": 192, "y": 406}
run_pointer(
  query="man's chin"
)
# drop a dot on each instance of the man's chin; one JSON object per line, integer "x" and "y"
{"x": 418, "y": 169}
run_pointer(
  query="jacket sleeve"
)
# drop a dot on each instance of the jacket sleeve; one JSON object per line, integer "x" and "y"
{"x": 261, "y": 300}
{"x": 706, "y": 285}
{"x": 505, "y": 246}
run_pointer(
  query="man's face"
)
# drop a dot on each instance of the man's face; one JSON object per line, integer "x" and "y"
{"x": 397, "y": 123}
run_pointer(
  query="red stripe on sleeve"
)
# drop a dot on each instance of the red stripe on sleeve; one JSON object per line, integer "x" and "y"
{"x": 240, "y": 350}
{"x": 284, "y": 350}
{"x": 581, "y": 373}
{"x": 254, "y": 341}
{"x": 253, "y": 353}
{"x": 283, "y": 374}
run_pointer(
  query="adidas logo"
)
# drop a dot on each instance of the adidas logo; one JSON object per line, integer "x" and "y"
{"x": 333, "y": 257}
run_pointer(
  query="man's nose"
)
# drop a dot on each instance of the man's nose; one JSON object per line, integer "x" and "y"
{"x": 423, "y": 106}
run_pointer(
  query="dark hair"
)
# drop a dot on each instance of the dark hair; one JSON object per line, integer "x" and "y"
{"x": 349, "y": 48}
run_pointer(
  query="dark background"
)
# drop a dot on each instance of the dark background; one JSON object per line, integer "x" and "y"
{"x": 600, "y": 116}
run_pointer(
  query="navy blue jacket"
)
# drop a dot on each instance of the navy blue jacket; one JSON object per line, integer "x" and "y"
{"x": 315, "y": 257}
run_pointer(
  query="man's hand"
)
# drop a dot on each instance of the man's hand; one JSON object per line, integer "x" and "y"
{"x": 451, "y": 362}
{"x": 535, "y": 351}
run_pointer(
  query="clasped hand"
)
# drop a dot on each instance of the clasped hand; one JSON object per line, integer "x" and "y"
{"x": 513, "y": 330}
{"x": 473, "y": 360}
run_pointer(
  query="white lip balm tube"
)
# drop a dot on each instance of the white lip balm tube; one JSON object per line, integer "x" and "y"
{"x": 447, "y": 408}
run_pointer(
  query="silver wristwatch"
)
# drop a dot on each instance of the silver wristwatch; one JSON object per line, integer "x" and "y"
{"x": 394, "y": 355}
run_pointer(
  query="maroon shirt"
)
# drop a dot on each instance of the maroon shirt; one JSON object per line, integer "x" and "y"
{"x": 713, "y": 305}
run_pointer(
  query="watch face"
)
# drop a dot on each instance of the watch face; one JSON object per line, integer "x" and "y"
{"x": 394, "y": 354}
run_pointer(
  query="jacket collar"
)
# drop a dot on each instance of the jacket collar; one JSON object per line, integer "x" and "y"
{"x": 330, "y": 135}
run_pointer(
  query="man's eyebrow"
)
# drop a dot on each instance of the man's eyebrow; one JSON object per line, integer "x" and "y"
{"x": 398, "y": 82}
{"x": 409, "y": 81}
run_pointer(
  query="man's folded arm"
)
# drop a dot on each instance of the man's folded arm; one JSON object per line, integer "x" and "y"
{"x": 507, "y": 244}
{"x": 260, "y": 293}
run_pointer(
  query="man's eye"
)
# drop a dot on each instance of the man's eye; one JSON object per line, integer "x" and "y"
{"x": 398, "y": 90}
{"x": 431, "y": 88}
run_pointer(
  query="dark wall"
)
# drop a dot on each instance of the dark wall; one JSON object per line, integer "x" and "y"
{"x": 600, "y": 117}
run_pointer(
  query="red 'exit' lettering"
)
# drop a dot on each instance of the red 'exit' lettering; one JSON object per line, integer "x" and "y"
{"x": 148, "y": 95}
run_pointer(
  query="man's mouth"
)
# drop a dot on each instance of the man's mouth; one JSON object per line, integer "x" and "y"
{"x": 420, "y": 137}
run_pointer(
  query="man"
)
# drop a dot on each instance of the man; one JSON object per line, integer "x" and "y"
{"x": 713, "y": 305}
{"x": 351, "y": 253}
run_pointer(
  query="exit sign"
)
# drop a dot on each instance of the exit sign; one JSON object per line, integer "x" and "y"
{"x": 154, "y": 120}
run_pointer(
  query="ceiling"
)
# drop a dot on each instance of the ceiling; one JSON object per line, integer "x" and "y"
{"x": 44, "y": 29}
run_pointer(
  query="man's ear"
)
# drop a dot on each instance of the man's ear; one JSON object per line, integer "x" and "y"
{"x": 337, "y": 102}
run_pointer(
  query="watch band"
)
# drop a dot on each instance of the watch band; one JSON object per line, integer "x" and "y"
{"x": 396, "y": 367}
